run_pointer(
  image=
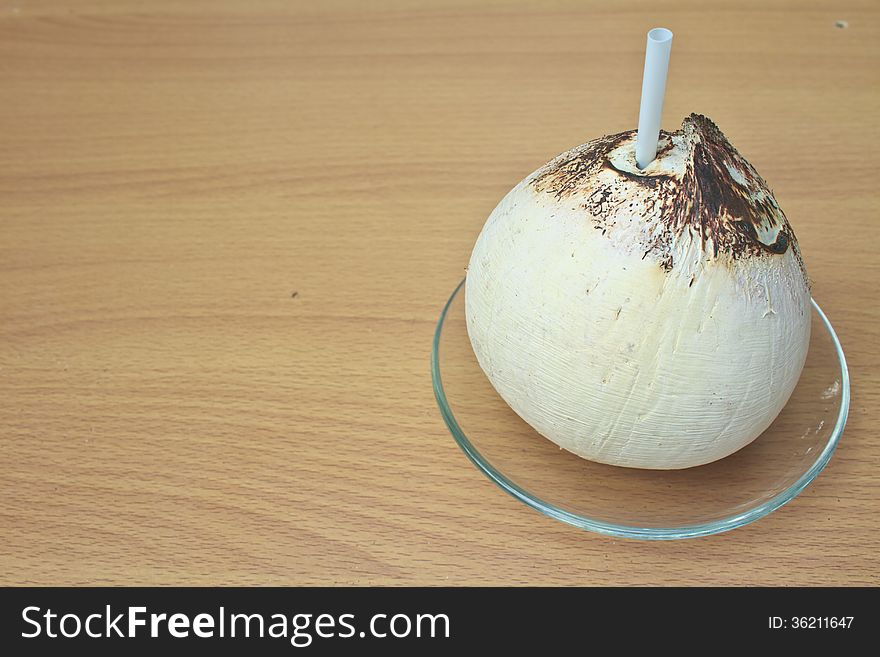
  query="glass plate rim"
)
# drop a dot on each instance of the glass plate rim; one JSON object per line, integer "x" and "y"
{"x": 632, "y": 531}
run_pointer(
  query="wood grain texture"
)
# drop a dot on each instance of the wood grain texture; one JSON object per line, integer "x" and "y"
{"x": 227, "y": 230}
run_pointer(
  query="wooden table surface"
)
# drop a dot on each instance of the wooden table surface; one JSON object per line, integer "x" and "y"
{"x": 228, "y": 229}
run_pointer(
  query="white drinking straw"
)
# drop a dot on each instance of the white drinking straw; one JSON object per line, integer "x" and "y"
{"x": 653, "y": 90}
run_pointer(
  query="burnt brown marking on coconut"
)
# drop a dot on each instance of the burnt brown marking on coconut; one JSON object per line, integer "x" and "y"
{"x": 719, "y": 197}
{"x": 567, "y": 174}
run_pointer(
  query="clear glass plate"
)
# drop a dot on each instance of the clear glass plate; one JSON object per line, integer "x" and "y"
{"x": 644, "y": 504}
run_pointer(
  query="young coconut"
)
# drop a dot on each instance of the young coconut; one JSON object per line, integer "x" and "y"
{"x": 651, "y": 318}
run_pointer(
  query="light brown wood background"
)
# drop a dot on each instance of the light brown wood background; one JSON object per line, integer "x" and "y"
{"x": 227, "y": 230}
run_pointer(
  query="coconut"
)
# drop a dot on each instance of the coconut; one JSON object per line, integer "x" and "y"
{"x": 651, "y": 318}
